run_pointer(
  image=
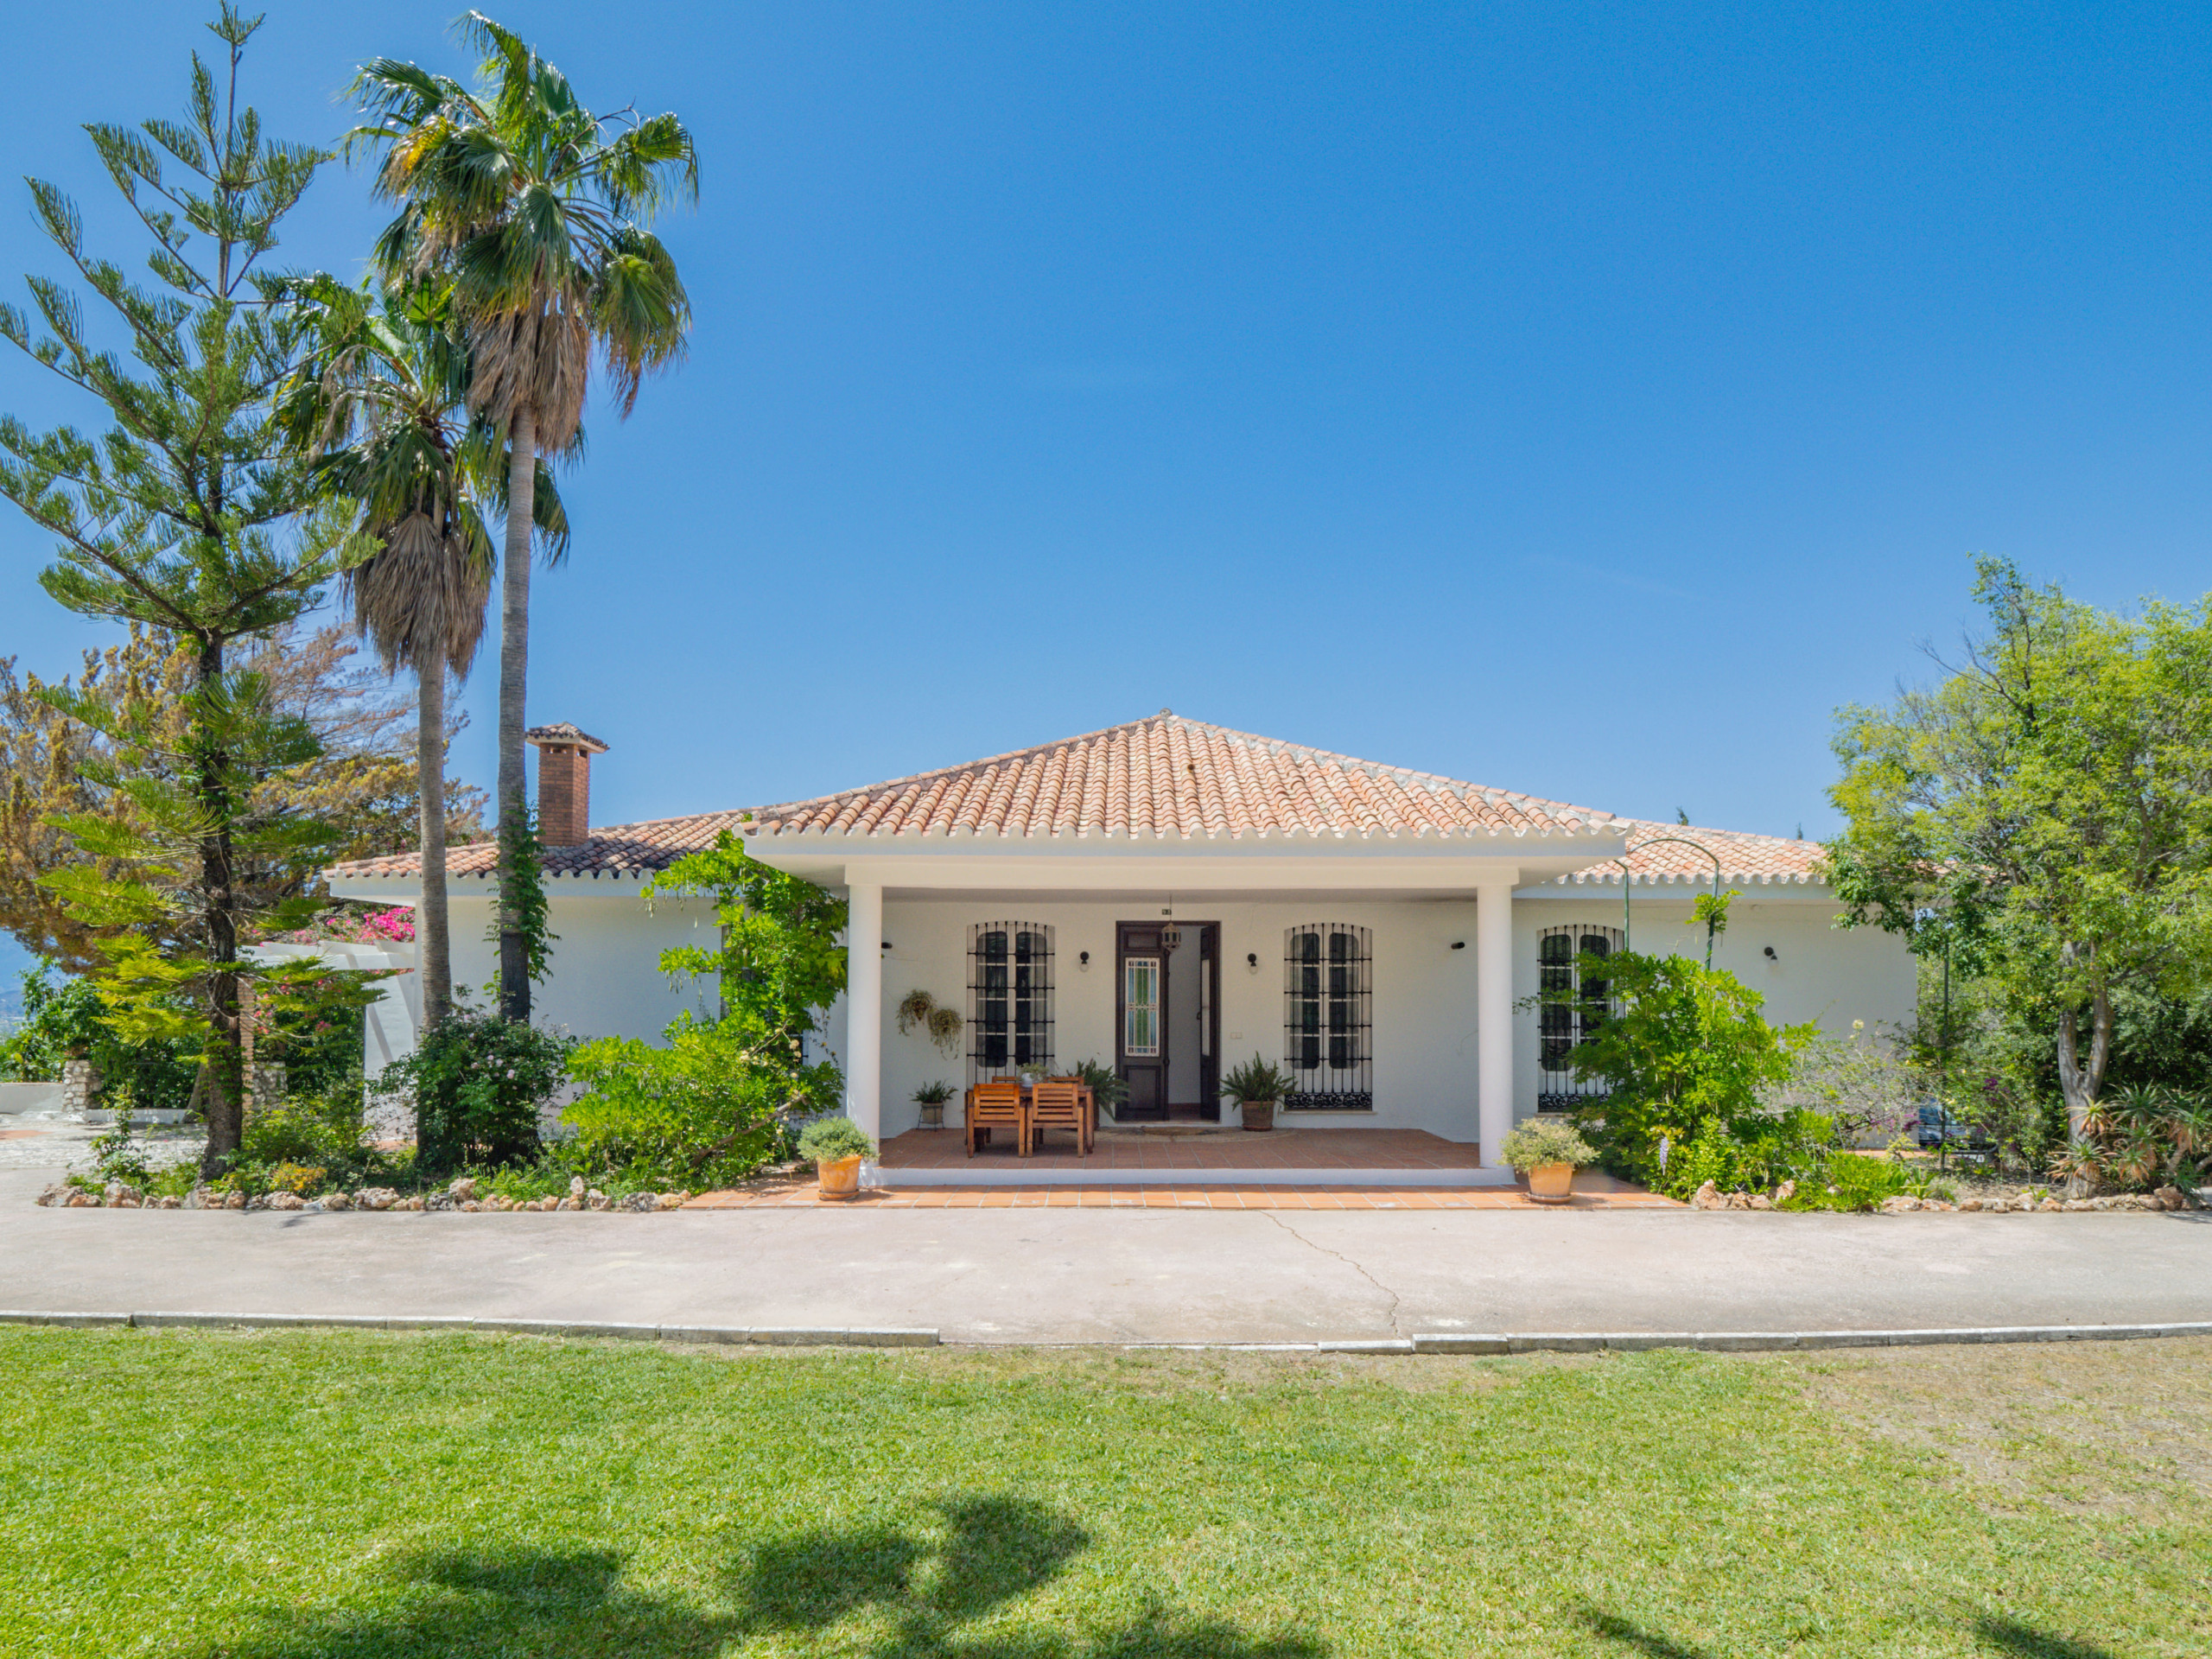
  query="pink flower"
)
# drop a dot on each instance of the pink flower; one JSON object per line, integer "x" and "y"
{"x": 395, "y": 926}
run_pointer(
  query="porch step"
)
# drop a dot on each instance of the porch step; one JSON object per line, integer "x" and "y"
{"x": 1010, "y": 1171}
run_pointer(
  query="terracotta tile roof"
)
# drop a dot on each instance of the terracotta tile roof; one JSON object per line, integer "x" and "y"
{"x": 1160, "y": 777}
{"x": 1169, "y": 777}
{"x": 1745, "y": 859}
{"x": 620, "y": 850}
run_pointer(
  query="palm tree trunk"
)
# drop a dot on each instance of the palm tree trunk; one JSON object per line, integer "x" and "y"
{"x": 514, "y": 665}
{"x": 433, "y": 943}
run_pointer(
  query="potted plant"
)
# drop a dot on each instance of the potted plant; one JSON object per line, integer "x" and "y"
{"x": 1548, "y": 1151}
{"x": 1255, "y": 1086}
{"x": 931, "y": 1098}
{"x": 1108, "y": 1091}
{"x": 836, "y": 1145}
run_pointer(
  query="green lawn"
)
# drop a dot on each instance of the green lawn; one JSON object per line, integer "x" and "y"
{"x": 360, "y": 1494}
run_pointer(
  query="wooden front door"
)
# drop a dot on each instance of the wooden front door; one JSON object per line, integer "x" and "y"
{"x": 1140, "y": 1020}
{"x": 1209, "y": 1031}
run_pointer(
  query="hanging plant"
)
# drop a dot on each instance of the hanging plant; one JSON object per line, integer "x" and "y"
{"x": 944, "y": 1029}
{"x": 915, "y": 1009}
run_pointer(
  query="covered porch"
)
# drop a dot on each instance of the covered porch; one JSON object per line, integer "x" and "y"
{"x": 1173, "y": 1155}
{"x": 1158, "y": 904}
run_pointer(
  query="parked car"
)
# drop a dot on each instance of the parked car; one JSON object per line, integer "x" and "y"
{"x": 1940, "y": 1126}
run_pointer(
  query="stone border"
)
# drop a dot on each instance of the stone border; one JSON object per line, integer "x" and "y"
{"x": 459, "y": 1197}
{"x": 1753, "y": 1342}
{"x": 1432, "y": 1342}
{"x": 773, "y": 1336}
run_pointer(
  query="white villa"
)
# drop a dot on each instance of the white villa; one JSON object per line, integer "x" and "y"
{"x": 1168, "y": 896}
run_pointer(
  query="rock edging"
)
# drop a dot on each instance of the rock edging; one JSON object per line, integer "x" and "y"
{"x": 463, "y": 1195}
{"x": 1709, "y": 1197}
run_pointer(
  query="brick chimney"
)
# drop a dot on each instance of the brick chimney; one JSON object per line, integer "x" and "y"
{"x": 563, "y": 783}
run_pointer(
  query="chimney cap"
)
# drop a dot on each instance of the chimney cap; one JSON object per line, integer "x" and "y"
{"x": 565, "y": 735}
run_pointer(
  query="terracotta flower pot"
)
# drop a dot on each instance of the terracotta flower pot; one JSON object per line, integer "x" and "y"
{"x": 1257, "y": 1113}
{"x": 1552, "y": 1183}
{"x": 838, "y": 1178}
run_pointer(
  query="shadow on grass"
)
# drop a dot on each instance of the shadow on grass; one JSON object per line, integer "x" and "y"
{"x": 2005, "y": 1634}
{"x": 1615, "y": 1629}
{"x": 2009, "y": 1636}
{"x": 524, "y": 1601}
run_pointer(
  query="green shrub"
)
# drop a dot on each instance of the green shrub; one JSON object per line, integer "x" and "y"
{"x": 1538, "y": 1141}
{"x": 828, "y": 1138}
{"x": 1686, "y": 1045}
{"x": 478, "y": 1083}
{"x": 67, "y": 1017}
{"x": 702, "y": 1110}
{"x": 1854, "y": 1181}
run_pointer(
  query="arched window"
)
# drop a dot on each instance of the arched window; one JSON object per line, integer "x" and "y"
{"x": 1575, "y": 1004}
{"x": 1328, "y": 1018}
{"x": 1009, "y": 999}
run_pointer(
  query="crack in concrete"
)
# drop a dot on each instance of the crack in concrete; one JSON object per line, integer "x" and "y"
{"x": 1391, "y": 1313}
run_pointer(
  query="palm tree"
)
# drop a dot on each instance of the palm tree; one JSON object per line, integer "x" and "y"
{"x": 533, "y": 211}
{"x": 381, "y": 404}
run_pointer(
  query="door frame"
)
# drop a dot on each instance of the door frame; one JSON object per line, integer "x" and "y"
{"x": 1146, "y": 944}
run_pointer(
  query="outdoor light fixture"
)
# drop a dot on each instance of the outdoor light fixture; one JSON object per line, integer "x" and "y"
{"x": 1252, "y": 960}
{"x": 1770, "y": 956}
{"x": 1082, "y": 960}
{"x": 1171, "y": 938}
{"x": 1459, "y": 944}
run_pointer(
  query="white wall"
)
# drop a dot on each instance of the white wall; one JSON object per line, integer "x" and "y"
{"x": 1822, "y": 973}
{"x": 1423, "y": 1036}
{"x": 605, "y": 980}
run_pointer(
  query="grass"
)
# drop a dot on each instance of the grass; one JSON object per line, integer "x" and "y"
{"x": 364, "y": 1495}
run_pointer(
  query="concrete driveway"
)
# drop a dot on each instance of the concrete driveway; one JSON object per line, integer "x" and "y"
{"x": 1133, "y": 1275}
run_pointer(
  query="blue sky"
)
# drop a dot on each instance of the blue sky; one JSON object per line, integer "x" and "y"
{"x": 1583, "y": 400}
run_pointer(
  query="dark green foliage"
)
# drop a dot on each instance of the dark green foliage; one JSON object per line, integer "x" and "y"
{"x": 320, "y": 1130}
{"x": 1686, "y": 1047}
{"x": 523, "y": 909}
{"x": 479, "y": 1083}
{"x": 190, "y": 515}
{"x": 2041, "y": 819}
{"x": 67, "y": 1016}
{"x": 712, "y": 1103}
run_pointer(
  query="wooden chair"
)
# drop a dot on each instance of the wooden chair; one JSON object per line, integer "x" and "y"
{"x": 994, "y": 1106}
{"x": 1057, "y": 1103}
{"x": 1089, "y": 1104}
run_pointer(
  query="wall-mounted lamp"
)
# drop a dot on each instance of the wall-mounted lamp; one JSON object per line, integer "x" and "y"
{"x": 1252, "y": 960}
{"x": 1459, "y": 944}
{"x": 1770, "y": 956}
{"x": 887, "y": 944}
{"x": 1083, "y": 962}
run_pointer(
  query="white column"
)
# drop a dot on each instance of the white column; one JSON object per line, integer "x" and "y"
{"x": 1493, "y": 1016}
{"x": 864, "y": 1007}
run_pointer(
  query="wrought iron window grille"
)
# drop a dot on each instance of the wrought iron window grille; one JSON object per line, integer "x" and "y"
{"x": 1009, "y": 999}
{"x": 1571, "y": 1009}
{"x": 1328, "y": 1018}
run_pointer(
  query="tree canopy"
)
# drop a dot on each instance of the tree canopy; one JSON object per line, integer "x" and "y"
{"x": 2044, "y": 811}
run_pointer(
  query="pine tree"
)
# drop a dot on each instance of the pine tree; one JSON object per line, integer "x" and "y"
{"x": 191, "y": 515}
